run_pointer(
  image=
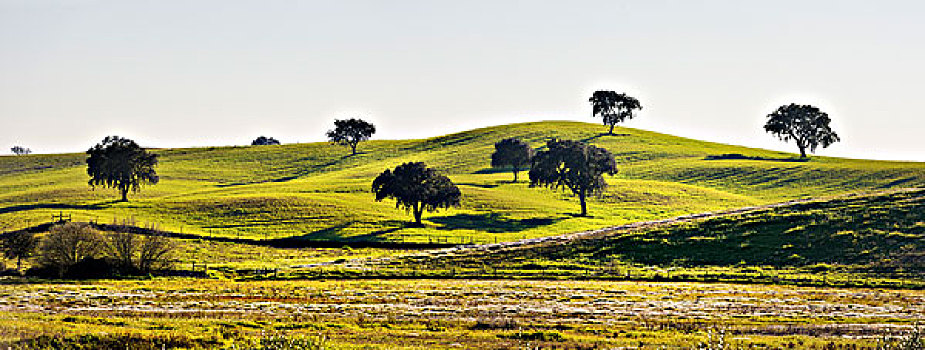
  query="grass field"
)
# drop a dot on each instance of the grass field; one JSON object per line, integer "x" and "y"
{"x": 859, "y": 240}
{"x": 318, "y": 191}
{"x": 442, "y": 314}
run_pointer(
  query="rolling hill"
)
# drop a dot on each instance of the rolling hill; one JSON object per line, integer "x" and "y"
{"x": 319, "y": 191}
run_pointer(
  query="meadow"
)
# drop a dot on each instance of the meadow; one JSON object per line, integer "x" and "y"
{"x": 442, "y": 314}
{"x": 318, "y": 191}
{"x": 689, "y": 247}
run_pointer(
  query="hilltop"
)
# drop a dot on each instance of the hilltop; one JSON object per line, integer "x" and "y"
{"x": 319, "y": 191}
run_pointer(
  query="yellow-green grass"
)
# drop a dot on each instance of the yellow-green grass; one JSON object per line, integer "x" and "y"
{"x": 859, "y": 240}
{"x": 446, "y": 314}
{"x": 319, "y": 191}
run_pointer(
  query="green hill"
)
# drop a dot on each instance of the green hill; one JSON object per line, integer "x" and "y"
{"x": 318, "y": 191}
{"x": 863, "y": 240}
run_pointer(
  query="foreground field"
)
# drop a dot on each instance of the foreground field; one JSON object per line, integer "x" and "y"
{"x": 317, "y": 191}
{"x": 419, "y": 314}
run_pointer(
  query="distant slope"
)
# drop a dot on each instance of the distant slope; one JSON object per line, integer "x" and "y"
{"x": 318, "y": 191}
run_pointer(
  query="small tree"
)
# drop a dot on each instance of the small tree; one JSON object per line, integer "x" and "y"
{"x": 20, "y": 150}
{"x": 121, "y": 164}
{"x": 350, "y": 132}
{"x": 68, "y": 244}
{"x": 19, "y": 245}
{"x": 804, "y": 124}
{"x": 416, "y": 188}
{"x": 512, "y": 152}
{"x": 573, "y": 165}
{"x": 613, "y": 107}
{"x": 155, "y": 253}
{"x": 264, "y": 141}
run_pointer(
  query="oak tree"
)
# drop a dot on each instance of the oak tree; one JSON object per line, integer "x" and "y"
{"x": 120, "y": 163}
{"x": 350, "y": 132}
{"x": 613, "y": 107}
{"x": 512, "y": 152}
{"x": 805, "y": 125}
{"x": 574, "y": 165}
{"x": 416, "y": 188}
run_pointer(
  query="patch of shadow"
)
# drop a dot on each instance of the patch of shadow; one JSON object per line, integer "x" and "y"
{"x": 489, "y": 222}
{"x": 60, "y": 206}
{"x": 898, "y": 182}
{"x": 282, "y": 179}
{"x": 473, "y": 184}
{"x": 595, "y": 137}
{"x": 493, "y": 170}
{"x": 736, "y": 156}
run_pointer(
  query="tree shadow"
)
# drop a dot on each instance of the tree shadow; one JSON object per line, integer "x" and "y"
{"x": 603, "y": 134}
{"x": 59, "y": 206}
{"x": 736, "y": 156}
{"x": 489, "y": 222}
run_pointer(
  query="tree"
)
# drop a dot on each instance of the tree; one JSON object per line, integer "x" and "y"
{"x": 613, "y": 107}
{"x": 573, "y": 165}
{"x": 19, "y": 245}
{"x": 20, "y": 150}
{"x": 804, "y": 124}
{"x": 132, "y": 253}
{"x": 416, "y": 188}
{"x": 121, "y": 164}
{"x": 512, "y": 152}
{"x": 264, "y": 141}
{"x": 67, "y": 245}
{"x": 350, "y": 132}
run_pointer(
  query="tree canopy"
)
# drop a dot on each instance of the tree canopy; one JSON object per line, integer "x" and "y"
{"x": 512, "y": 152}
{"x": 264, "y": 141}
{"x": 120, "y": 163}
{"x": 613, "y": 107}
{"x": 350, "y": 132}
{"x": 574, "y": 165}
{"x": 20, "y": 150}
{"x": 18, "y": 245}
{"x": 805, "y": 125}
{"x": 416, "y": 188}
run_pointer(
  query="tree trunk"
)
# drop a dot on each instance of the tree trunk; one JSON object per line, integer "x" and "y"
{"x": 611, "y": 129}
{"x": 124, "y": 194}
{"x": 802, "y": 151}
{"x": 19, "y": 264}
{"x": 353, "y": 147}
{"x": 584, "y": 205}
{"x": 418, "y": 210}
{"x": 515, "y": 174}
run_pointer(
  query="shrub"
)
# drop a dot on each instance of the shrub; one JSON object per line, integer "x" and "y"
{"x": 69, "y": 244}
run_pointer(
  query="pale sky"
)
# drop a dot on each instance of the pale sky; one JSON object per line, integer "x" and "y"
{"x": 201, "y": 73}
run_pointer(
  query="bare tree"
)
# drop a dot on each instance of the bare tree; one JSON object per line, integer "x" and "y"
{"x": 155, "y": 253}
{"x": 122, "y": 247}
{"x": 68, "y": 244}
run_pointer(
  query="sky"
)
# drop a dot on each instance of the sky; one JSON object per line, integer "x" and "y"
{"x": 202, "y": 73}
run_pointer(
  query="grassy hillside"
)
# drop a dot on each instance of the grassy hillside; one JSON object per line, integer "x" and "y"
{"x": 318, "y": 191}
{"x": 874, "y": 240}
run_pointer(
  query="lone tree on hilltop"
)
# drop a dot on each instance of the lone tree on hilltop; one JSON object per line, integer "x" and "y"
{"x": 20, "y": 150}
{"x": 19, "y": 245}
{"x": 573, "y": 165}
{"x": 265, "y": 141}
{"x": 350, "y": 132}
{"x": 613, "y": 107}
{"x": 121, "y": 164}
{"x": 416, "y": 188}
{"x": 512, "y": 152}
{"x": 804, "y": 124}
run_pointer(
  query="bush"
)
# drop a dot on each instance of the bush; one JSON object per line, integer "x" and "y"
{"x": 68, "y": 245}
